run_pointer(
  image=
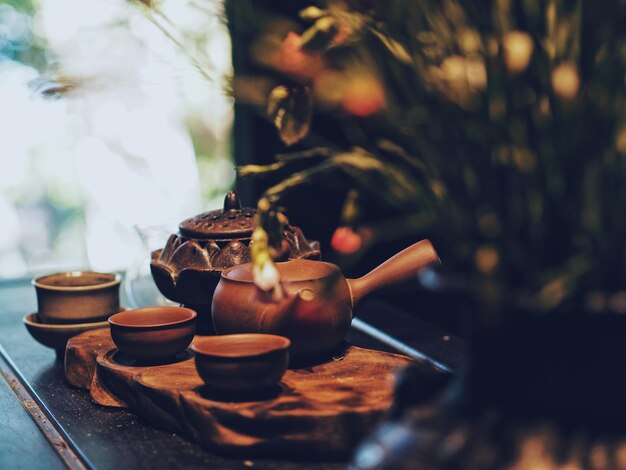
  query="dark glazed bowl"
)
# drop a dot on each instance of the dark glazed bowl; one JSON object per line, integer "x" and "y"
{"x": 153, "y": 332}
{"x": 241, "y": 363}
{"x": 77, "y": 296}
{"x": 56, "y": 336}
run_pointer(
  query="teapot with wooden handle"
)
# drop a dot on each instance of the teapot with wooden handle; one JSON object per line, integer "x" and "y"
{"x": 317, "y": 310}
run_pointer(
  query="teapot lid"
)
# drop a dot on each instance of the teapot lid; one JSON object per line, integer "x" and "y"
{"x": 231, "y": 222}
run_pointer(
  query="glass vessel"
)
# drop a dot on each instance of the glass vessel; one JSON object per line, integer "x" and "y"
{"x": 139, "y": 287}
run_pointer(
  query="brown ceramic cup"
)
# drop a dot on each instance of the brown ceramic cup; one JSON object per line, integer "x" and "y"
{"x": 241, "y": 362}
{"x": 56, "y": 336}
{"x": 77, "y": 296}
{"x": 153, "y": 332}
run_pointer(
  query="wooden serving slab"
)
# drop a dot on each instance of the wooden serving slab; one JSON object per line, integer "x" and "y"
{"x": 319, "y": 412}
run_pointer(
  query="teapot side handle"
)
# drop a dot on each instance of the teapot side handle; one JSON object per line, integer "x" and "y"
{"x": 401, "y": 267}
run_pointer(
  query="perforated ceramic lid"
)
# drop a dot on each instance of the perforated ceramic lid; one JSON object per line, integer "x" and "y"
{"x": 231, "y": 222}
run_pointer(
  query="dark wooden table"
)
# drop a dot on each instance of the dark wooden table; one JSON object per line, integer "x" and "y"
{"x": 44, "y": 423}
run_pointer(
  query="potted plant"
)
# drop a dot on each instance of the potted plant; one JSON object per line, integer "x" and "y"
{"x": 500, "y": 129}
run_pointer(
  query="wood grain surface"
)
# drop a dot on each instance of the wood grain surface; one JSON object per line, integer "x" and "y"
{"x": 318, "y": 412}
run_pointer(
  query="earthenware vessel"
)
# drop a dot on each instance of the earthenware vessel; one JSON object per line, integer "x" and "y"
{"x": 77, "y": 296}
{"x": 188, "y": 268}
{"x": 317, "y": 311}
{"x": 243, "y": 362}
{"x": 153, "y": 332}
{"x": 55, "y": 336}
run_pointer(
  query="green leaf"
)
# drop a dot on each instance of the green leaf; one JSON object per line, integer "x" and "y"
{"x": 291, "y": 109}
{"x": 295, "y": 180}
{"x": 311, "y": 13}
{"x": 53, "y": 86}
{"x": 396, "y": 49}
{"x": 388, "y": 182}
{"x": 319, "y": 37}
{"x": 248, "y": 170}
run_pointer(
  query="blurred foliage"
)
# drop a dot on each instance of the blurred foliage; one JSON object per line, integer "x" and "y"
{"x": 498, "y": 126}
{"x": 24, "y": 6}
{"x": 17, "y": 40}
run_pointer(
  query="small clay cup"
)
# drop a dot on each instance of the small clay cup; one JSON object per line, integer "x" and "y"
{"x": 153, "y": 332}
{"x": 77, "y": 296}
{"x": 56, "y": 336}
{"x": 241, "y": 362}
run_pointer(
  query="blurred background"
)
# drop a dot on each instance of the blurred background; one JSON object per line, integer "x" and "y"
{"x": 141, "y": 137}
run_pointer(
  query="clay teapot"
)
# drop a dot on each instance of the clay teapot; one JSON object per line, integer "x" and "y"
{"x": 188, "y": 268}
{"x": 317, "y": 311}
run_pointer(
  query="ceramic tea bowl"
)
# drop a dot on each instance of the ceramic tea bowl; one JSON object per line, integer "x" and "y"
{"x": 153, "y": 332}
{"x": 56, "y": 336}
{"x": 243, "y": 362}
{"x": 77, "y": 296}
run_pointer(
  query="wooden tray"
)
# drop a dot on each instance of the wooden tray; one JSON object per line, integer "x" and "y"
{"x": 317, "y": 412}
